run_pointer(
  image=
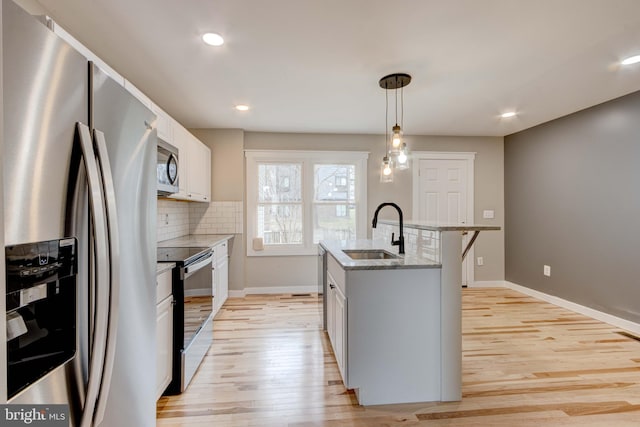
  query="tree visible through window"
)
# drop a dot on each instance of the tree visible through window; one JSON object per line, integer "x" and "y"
{"x": 297, "y": 198}
{"x": 280, "y": 203}
{"x": 334, "y": 202}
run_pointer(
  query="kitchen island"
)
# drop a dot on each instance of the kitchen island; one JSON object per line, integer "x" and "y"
{"x": 395, "y": 321}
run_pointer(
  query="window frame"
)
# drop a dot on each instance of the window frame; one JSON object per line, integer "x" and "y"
{"x": 308, "y": 159}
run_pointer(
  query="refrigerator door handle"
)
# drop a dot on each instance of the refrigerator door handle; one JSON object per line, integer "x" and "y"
{"x": 101, "y": 253}
{"x": 114, "y": 266}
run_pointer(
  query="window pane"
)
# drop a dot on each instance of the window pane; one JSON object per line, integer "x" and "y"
{"x": 335, "y": 183}
{"x": 280, "y": 182}
{"x": 280, "y": 224}
{"x": 334, "y": 221}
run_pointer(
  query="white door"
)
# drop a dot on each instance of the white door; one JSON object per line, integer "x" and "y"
{"x": 443, "y": 191}
{"x": 442, "y": 196}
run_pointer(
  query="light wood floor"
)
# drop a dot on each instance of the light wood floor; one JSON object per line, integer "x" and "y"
{"x": 525, "y": 363}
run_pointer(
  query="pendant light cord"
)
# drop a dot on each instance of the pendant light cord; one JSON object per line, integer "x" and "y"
{"x": 402, "y": 108}
{"x": 386, "y": 121}
{"x": 396, "y": 101}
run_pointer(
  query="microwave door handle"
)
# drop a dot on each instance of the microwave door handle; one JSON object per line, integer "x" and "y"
{"x": 101, "y": 256}
{"x": 172, "y": 161}
{"x": 114, "y": 265}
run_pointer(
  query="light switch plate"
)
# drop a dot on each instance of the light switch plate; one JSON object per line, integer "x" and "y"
{"x": 488, "y": 214}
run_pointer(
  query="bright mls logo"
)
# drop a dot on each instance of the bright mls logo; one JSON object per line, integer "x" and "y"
{"x": 34, "y": 415}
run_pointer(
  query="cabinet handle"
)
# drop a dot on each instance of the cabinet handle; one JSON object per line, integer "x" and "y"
{"x": 332, "y": 286}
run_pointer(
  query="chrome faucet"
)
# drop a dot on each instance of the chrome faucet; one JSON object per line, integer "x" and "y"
{"x": 374, "y": 223}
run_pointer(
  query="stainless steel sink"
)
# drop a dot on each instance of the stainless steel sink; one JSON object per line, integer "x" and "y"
{"x": 369, "y": 254}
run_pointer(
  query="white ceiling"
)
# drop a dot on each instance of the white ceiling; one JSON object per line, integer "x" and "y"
{"x": 314, "y": 65}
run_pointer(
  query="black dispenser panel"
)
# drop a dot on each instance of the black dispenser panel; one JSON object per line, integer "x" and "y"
{"x": 41, "y": 309}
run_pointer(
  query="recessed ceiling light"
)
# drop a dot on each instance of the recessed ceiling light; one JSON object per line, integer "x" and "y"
{"x": 242, "y": 107}
{"x": 508, "y": 114}
{"x": 631, "y": 60}
{"x": 213, "y": 39}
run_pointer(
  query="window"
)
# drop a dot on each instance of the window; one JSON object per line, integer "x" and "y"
{"x": 297, "y": 198}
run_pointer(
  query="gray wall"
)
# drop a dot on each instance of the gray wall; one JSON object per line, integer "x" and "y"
{"x": 572, "y": 192}
{"x": 227, "y": 185}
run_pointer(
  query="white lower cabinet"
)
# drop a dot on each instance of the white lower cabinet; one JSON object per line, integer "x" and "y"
{"x": 164, "y": 333}
{"x": 337, "y": 324}
{"x": 220, "y": 276}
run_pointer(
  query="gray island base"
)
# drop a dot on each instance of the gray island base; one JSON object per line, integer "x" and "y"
{"x": 395, "y": 323}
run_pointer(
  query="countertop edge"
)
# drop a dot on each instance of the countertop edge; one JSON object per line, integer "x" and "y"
{"x": 161, "y": 267}
{"x": 404, "y": 262}
{"x": 444, "y": 227}
{"x": 193, "y": 240}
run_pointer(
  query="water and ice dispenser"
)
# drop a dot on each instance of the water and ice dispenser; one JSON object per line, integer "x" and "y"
{"x": 41, "y": 309}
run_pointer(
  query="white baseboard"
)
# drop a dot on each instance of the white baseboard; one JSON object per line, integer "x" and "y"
{"x": 274, "y": 290}
{"x": 587, "y": 311}
{"x": 487, "y": 284}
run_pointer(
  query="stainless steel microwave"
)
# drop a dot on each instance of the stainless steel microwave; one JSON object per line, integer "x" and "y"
{"x": 167, "y": 169}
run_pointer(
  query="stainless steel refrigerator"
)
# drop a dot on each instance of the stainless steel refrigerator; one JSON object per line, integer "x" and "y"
{"x": 79, "y": 176}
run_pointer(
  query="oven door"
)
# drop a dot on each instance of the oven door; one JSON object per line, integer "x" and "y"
{"x": 198, "y": 297}
{"x": 198, "y": 317}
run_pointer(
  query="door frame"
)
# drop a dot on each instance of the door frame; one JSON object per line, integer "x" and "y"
{"x": 469, "y": 157}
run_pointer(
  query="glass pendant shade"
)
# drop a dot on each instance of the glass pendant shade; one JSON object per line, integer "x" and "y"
{"x": 402, "y": 159}
{"x": 396, "y": 139}
{"x": 386, "y": 170}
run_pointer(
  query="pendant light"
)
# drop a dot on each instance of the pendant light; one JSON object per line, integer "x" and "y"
{"x": 396, "y": 152}
{"x": 386, "y": 169}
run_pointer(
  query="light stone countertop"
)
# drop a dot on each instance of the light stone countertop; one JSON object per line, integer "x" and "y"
{"x": 407, "y": 261}
{"x": 195, "y": 240}
{"x": 164, "y": 266}
{"x": 432, "y": 226}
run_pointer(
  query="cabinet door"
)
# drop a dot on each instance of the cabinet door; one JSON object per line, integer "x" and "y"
{"x": 223, "y": 278}
{"x": 331, "y": 310}
{"x": 164, "y": 344}
{"x": 163, "y": 124}
{"x": 199, "y": 172}
{"x": 214, "y": 288}
{"x": 340, "y": 345}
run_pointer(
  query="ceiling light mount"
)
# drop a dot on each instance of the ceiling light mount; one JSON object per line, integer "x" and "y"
{"x": 395, "y": 81}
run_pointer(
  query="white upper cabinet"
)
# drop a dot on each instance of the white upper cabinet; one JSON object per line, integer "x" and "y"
{"x": 164, "y": 124}
{"x": 199, "y": 172}
{"x": 194, "y": 166}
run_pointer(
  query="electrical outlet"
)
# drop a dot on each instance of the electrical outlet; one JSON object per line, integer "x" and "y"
{"x": 480, "y": 260}
{"x": 488, "y": 214}
{"x": 547, "y": 270}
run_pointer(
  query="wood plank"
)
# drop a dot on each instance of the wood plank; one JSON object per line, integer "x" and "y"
{"x": 525, "y": 363}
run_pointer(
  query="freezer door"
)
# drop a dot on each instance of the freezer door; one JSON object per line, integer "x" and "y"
{"x": 45, "y": 93}
{"x": 130, "y": 141}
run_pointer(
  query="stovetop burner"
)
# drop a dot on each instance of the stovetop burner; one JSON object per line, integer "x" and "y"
{"x": 181, "y": 255}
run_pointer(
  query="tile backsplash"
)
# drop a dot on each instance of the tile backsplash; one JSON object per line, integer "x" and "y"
{"x": 177, "y": 219}
{"x": 173, "y": 219}
{"x": 216, "y": 218}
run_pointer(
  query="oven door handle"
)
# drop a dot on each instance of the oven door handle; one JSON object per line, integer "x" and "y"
{"x": 192, "y": 268}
